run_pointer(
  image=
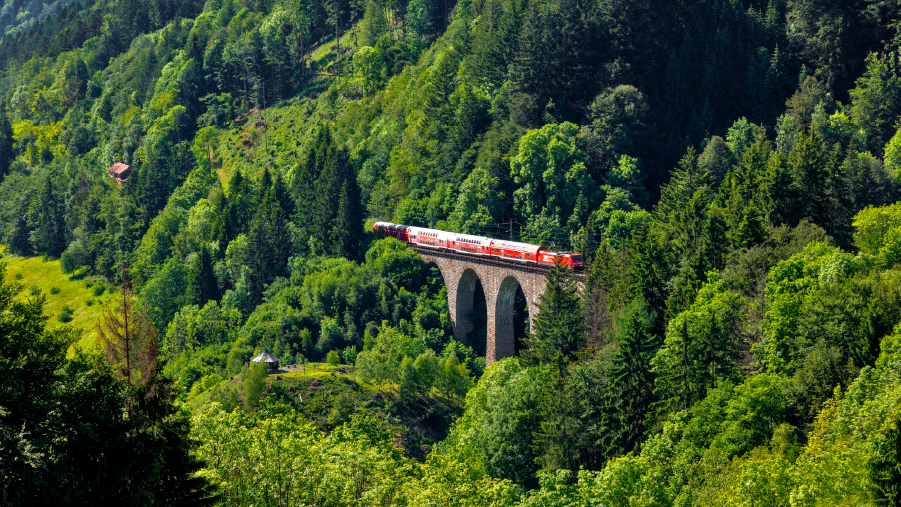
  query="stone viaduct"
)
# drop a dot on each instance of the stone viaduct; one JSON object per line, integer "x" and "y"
{"x": 499, "y": 282}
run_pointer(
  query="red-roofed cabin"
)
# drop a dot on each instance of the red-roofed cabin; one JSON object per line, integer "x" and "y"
{"x": 119, "y": 172}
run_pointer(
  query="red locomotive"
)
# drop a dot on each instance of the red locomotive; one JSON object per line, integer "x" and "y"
{"x": 478, "y": 245}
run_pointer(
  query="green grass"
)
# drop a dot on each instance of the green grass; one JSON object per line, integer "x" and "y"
{"x": 68, "y": 291}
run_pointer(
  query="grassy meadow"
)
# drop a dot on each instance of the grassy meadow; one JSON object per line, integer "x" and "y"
{"x": 75, "y": 299}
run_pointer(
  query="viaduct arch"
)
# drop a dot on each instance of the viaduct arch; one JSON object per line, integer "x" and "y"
{"x": 500, "y": 281}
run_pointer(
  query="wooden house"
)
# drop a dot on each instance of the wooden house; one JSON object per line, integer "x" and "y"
{"x": 119, "y": 172}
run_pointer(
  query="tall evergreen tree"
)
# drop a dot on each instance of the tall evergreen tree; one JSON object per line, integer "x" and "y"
{"x": 47, "y": 221}
{"x": 778, "y": 193}
{"x": 328, "y": 195}
{"x": 556, "y": 443}
{"x": 239, "y": 211}
{"x": 7, "y": 153}
{"x": 559, "y": 327}
{"x": 348, "y": 231}
{"x": 632, "y": 383}
{"x": 281, "y": 196}
{"x": 811, "y": 175}
{"x": 18, "y": 237}
{"x": 202, "y": 284}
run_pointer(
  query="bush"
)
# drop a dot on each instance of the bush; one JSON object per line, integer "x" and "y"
{"x": 65, "y": 315}
{"x": 99, "y": 290}
{"x": 254, "y": 384}
{"x": 18, "y": 276}
{"x": 333, "y": 358}
{"x": 68, "y": 263}
{"x": 350, "y": 355}
{"x": 54, "y": 290}
{"x": 34, "y": 290}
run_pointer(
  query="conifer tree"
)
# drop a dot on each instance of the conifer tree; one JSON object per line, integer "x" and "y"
{"x": 808, "y": 165}
{"x": 304, "y": 185}
{"x": 529, "y": 67}
{"x": 47, "y": 222}
{"x": 262, "y": 251}
{"x": 778, "y": 193}
{"x": 559, "y": 327}
{"x": 239, "y": 210}
{"x": 348, "y": 231}
{"x": 281, "y": 196}
{"x": 18, "y": 237}
{"x": 328, "y": 195}
{"x": 202, "y": 284}
{"x": 7, "y": 153}
{"x": 631, "y": 392}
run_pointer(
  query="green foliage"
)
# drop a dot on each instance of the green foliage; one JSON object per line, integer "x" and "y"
{"x": 550, "y": 172}
{"x": 249, "y": 181}
{"x": 333, "y": 358}
{"x": 700, "y": 348}
{"x": 885, "y": 465}
{"x": 145, "y": 449}
{"x": 558, "y": 329}
{"x": 356, "y": 464}
{"x": 496, "y": 432}
{"x": 369, "y": 66}
{"x": 740, "y": 136}
{"x": 253, "y": 383}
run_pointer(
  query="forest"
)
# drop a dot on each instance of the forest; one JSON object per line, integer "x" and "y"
{"x": 729, "y": 170}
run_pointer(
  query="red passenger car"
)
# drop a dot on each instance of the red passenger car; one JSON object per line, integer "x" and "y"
{"x": 511, "y": 251}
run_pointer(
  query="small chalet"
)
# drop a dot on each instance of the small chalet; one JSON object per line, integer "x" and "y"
{"x": 119, "y": 172}
{"x": 268, "y": 358}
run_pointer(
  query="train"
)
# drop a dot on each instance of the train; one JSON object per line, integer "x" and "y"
{"x": 511, "y": 251}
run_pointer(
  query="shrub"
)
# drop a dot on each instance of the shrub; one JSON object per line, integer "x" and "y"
{"x": 18, "y": 276}
{"x": 68, "y": 263}
{"x": 34, "y": 290}
{"x": 65, "y": 315}
{"x": 54, "y": 290}
{"x": 99, "y": 290}
{"x": 333, "y": 358}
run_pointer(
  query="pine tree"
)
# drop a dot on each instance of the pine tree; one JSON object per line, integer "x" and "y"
{"x": 556, "y": 443}
{"x": 7, "y": 153}
{"x": 650, "y": 271}
{"x": 18, "y": 237}
{"x": 129, "y": 338}
{"x": 631, "y": 392}
{"x": 328, "y": 195}
{"x": 202, "y": 285}
{"x": 239, "y": 209}
{"x": 778, "y": 194}
{"x": 838, "y": 199}
{"x": 281, "y": 195}
{"x": 811, "y": 177}
{"x": 47, "y": 221}
{"x": 528, "y": 71}
{"x": 304, "y": 185}
{"x": 559, "y": 327}
{"x": 348, "y": 231}
{"x": 155, "y": 178}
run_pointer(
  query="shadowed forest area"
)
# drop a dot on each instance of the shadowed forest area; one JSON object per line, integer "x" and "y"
{"x": 728, "y": 169}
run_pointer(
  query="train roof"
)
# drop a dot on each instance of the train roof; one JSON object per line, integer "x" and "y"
{"x": 515, "y": 245}
{"x": 469, "y": 238}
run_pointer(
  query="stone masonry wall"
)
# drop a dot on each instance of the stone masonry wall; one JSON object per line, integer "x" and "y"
{"x": 499, "y": 282}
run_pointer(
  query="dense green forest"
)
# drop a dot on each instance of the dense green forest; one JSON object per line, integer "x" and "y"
{"x": 729, "y": 169}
